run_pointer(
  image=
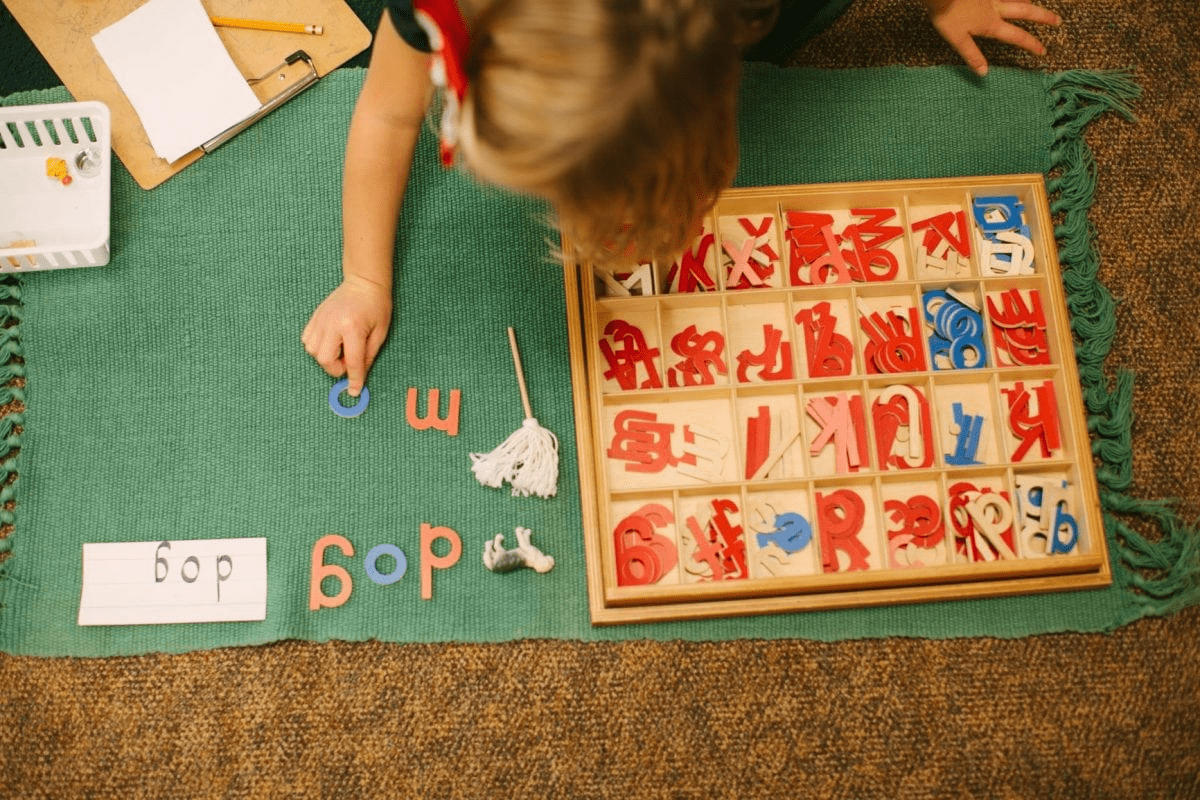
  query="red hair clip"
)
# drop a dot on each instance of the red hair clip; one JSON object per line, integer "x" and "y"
{"x": 443, "y": 24}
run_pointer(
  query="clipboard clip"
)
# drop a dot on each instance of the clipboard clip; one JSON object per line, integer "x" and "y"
{"x": 307, "y": 80}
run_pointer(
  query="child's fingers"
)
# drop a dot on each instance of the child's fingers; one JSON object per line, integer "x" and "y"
{"x": 1019, "y": 37}
{"x": 310, "y": 337}
{"x": 328, "y": 355}
{"x": 964, "y": 45}
{"x": 313, "y": 337}
{"x": 1026, "y": 10}
{"x": 354, "y": 355}
{"x": 374, "y": 343}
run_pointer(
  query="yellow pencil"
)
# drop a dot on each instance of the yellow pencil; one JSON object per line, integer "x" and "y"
{"x": 261, "y": 25}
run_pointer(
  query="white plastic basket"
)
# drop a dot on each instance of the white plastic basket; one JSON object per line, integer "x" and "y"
{"x": 47, "y": 222}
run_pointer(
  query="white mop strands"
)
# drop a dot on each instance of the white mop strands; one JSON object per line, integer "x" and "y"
{"x": 528, "y": 459}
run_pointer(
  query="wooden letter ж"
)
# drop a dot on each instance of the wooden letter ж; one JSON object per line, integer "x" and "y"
{"x": 449, "y": 423}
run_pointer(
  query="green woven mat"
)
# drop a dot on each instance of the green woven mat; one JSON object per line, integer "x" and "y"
{"x": 168, "y": 397}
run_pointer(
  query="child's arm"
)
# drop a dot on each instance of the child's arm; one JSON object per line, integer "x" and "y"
{"x": 347, "y": 329}
{"x": 960, "y": 21}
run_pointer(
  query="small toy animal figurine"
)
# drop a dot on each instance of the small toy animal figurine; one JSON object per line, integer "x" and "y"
{"x": 497, "y": 559}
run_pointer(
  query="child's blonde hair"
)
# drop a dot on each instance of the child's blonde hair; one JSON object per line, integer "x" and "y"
{"x": 620, "y": 112}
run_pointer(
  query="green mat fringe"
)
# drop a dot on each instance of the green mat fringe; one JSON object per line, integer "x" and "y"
{"x": 1164, "y": 572}
{"x": 12, "y": 368}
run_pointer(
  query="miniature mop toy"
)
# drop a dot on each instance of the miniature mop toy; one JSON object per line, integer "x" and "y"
{"x": 528, "y": 459}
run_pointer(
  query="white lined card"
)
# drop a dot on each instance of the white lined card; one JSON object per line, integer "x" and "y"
{"x": 174, "y": 581}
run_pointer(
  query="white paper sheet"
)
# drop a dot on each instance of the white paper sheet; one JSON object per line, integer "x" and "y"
{"x": 177, "y": 74}
{"x": 178, "y": 581}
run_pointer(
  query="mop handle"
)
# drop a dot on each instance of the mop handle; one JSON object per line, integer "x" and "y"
{"x": 512, "y": 340}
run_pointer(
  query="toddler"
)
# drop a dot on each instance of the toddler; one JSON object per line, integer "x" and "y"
{"x": 612, "y": 110}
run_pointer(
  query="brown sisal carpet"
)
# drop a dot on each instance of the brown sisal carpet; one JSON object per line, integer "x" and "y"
{"x": 1053, "y": 716}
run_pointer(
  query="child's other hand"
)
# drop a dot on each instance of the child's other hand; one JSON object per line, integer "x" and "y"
{"x": 960, "y": 21}
{"x": 347, "y": 329}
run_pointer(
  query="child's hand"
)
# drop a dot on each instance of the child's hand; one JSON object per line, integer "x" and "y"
{"x": 960, "y": 21}
{"x": 346, "y": 331}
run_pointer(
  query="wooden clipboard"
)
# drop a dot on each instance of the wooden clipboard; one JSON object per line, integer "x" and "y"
{"x": 284, "y": 64}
